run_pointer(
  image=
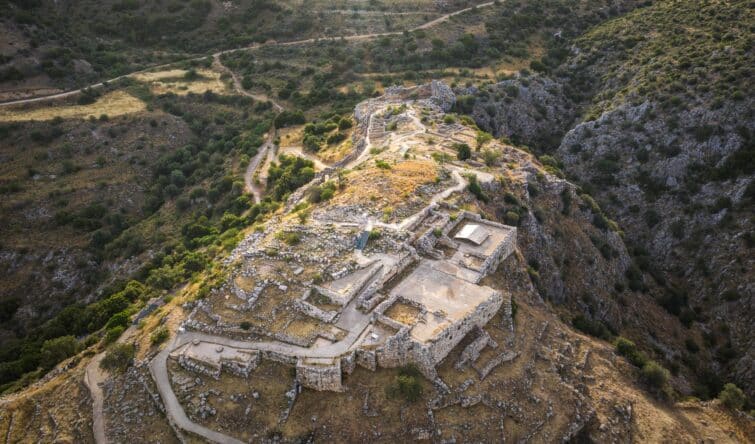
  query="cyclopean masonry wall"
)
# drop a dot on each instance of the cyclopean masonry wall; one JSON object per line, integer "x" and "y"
{"x": 319, "y": 375}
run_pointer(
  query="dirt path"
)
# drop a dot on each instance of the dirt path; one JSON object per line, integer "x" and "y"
{"x": 218, "y": 64}
{"x": 299, "y": 152}
{"x": 249, "y": 186}
{"x": 216, "y": 55}
{"x": 92, "y": 379}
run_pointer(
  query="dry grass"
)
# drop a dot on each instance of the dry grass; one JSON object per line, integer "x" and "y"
{"x": 173, "y": 81}
{"x": 270, "y": 380}
{"x": 403, "y": 313}
{"x": 116, "y": 103}
{"x": 390, "y": 187}
{"x": 159, "y": 75}
{"x": 55, "y": 410}
{"x": 332, "y": 154}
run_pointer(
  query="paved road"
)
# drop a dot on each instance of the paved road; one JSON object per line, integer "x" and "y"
{"x": 359, "y": 37}
{"x": 159, "y": 369}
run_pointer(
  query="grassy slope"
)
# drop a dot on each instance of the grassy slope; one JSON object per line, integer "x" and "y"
{"x": 691, "y": 53}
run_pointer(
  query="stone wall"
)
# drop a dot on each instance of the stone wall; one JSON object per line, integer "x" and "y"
{"x": 344, "y": 299}
{"x": 454, "y": 333}
{"x": 366, "y": 299}
{"x": 367, "y": 359}
{"x": 319, "y": 377}
{"x": 348, "y": 363}
{"x": 199, "y": 366}
{"x": 472, "y": 351}
{"x": 279, "y": 357}
{"x": 240, "y": 368}
{"x": 310, "y": 310}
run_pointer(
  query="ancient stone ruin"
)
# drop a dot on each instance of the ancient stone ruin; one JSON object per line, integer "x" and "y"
{"x": 410, "y": 307}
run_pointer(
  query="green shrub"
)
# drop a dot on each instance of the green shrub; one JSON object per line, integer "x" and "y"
{"x": 654, "y": 375}
{"x": 344, "y": 124}
{"x": 512, "y": 218}
{"x": 463, "y": 152}
{"x": 58, "y": 349}
{"x": 474, "y": 188}
{"x": 591, "y": 327}
{"x": 289, "y": 238}
{"x": 732, "y": 397}
{"x": 490, "y": 157}
{"x": 113, "y": 334}
{"x": 159, "y": 336}
{"x": 407, "y": 384}
{"x": 119, "y": 319}
{"x": 629, "y": 350}
{"x": 118, "y": 357}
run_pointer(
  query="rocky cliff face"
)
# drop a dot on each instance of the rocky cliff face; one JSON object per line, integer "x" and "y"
{"x": 663, "y": 141}
{"x": 531, "y": 110}
{"x": 696, "y": 232}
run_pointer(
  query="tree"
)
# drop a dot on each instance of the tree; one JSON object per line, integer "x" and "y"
{"x": 119, "y": 357}
{"x": 463, "y": 152}
{"x": 655, "y": 375}
{"x": 407, "y": 384}
{"x": 732, "y": 397}
{"x": 58, "y": 349}
{"x": 344, "y": 124}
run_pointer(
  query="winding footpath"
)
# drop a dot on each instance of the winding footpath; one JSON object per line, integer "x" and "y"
{"x": 250, "y": 186}
{"x": 93, "y": 377}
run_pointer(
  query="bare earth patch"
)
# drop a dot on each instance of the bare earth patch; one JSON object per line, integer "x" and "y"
{"x": 116, "y": 103}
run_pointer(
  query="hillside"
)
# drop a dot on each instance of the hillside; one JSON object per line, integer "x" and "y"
{"x": 382, "y": 220}
{"x": 649, "y": 115}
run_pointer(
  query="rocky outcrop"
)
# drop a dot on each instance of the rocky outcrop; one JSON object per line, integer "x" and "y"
{"x": 529, "y": 110}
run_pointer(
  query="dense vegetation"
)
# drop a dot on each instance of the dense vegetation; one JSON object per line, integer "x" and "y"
{"x": 194, "y": 208}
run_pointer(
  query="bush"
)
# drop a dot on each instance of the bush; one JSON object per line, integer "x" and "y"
{"x": 119, "y": 357}
{"x": 463, "y": 152}
{"x": 58, "y": 349}
{"x": 474, "y": 188}
{"x": 593, "y": 328}
{"x": 407, "y": 384}
{"x": 286, "y": 118}
{"x": 159, "y": 336}
{"x": 654, "y": 375}
{"x": 490, "y": 157}
{"x": 344, "y": 124}
{"x": 113, "y": 334}
{"x": 629, "y": 350}
{"x": 290, "y": 238}
{"x": 120, "y": 319}
{"x": 512, "y": 218}
{"x": 732, "y": 397}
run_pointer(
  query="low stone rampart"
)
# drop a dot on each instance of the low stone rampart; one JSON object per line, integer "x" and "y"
{"x": 319, "y": 377}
